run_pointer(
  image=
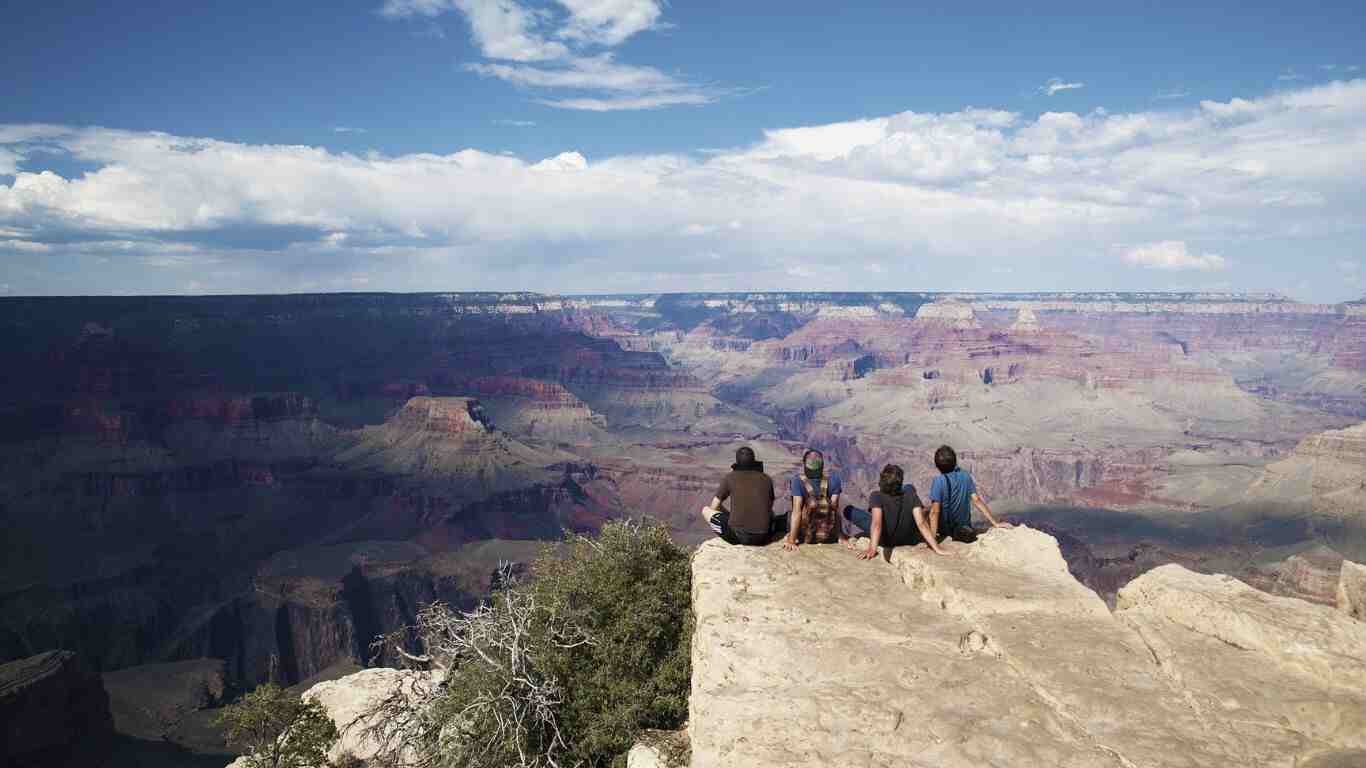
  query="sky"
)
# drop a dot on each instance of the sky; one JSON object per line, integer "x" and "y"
{"x": 607, "y": 146}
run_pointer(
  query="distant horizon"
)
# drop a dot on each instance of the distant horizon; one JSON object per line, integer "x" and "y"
{"x": 1212, "y": 294}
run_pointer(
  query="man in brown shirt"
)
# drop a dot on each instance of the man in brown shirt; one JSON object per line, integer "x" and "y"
{"x": 750, "y": 519}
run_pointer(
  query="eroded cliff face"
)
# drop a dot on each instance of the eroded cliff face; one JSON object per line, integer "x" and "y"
{"x": 995, "y": 655}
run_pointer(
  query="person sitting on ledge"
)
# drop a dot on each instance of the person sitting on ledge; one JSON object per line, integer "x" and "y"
{"x": 895, "y": 517}
{"x": 952, "y": 496}
{"x": 750, "y": 519}
{"x": 815, "y": 497}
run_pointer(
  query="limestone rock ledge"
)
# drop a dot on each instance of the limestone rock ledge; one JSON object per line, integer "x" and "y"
{"x": 997, "y": 656}
{"x": 347, "y": 699}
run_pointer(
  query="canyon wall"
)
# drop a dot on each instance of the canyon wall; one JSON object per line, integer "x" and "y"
{"x": 158, "y": 455}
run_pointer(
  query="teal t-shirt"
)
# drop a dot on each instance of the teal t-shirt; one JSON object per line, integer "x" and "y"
{"x": 954, "y": 492}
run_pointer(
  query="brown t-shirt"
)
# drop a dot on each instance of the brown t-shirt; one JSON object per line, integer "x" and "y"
{"x": 751, "y": 492}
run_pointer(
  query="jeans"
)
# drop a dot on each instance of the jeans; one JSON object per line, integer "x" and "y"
{"x": 856, "y": 522}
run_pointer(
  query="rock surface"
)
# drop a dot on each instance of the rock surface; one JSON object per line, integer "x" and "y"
{"x": 52, "y": 706}
{"x": 1351, "y": 595}
{"x": 997, "y": 656}
{"x": 348, "y": 699}
{"x": 148, "y": 701}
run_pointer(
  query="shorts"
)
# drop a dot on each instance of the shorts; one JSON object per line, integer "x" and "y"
{"x": 720, "y": 525}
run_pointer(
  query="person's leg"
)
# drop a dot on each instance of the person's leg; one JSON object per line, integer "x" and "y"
{"x": 720, "y": 525}
{"x": 857, "y": 522}
{"x": 960, "y": 527}
{"x": 778, "y": 528}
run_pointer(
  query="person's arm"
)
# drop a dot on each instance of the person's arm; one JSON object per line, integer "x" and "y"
{"x": 875, "y": 535}
{"x": 935, "y": 509}
{"x": 985, "y": 509}
{"x": 711, "y": 509}
{"x": 793, "y": 523}
{"x": 839, "y": 517}
{"x": 919, "y": 514}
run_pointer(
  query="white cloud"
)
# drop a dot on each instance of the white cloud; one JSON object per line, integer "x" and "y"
{"x": 1056, "y": 85}
{"x": 25, "y": 245}
{"x": 964, "y": 192}
{"x": 347, "y": 129}
{"x": 609, "y": 22}
{"x": 516, "y": 123}
{"x": 618, "y": 103}
{"x": 1172, "y": 95}
{"x": 1289, "y": 76}
{"x": 554, "y": 51}
{"x": 1173, "y": 255}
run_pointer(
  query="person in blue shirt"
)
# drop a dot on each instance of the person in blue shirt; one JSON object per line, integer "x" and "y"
{"x": 815, "y": 499}
{"x": 952, "y": 496}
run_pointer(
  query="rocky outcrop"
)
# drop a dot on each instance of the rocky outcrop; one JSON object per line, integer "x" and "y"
{"x": 1338, "y": 465}
{"x": 1351, "y": 592}
{"x": 1312, "y": 575}
{"x": 149, "y": 701}
{"x": 349, "y": 701}
{"x": 53, "y": 712}
{"x": 995, "y": 655}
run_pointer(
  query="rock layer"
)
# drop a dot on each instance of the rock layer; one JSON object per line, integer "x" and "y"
{"x": 997, "y": 656}
{"x": 52, "y": 707}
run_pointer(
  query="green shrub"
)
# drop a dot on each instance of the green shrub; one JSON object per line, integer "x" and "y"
{"x": 279, "y": 729}
{"x": 562, "y": 671}
{"x": 630, "y": 590}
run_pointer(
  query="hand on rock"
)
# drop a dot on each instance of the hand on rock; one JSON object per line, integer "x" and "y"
{"x": 868, "y": 554}
{"x": 789, "y": 544}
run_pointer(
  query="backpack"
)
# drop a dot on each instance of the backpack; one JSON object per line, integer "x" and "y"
{"x": 819, "y": 525}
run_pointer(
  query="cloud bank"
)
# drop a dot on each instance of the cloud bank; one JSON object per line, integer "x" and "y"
{"x": 1266, "y": 191}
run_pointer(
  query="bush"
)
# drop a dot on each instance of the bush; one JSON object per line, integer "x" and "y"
{"x": 631, "y": 592}
{"x": 564, "y": 670}
{"x": 279, "y": 729}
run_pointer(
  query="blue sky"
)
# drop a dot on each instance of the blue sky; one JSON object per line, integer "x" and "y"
{"x": 606, "y": 145}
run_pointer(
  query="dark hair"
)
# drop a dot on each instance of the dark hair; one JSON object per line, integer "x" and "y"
{"x": 945, "y": 460}
{"x": 891, "y": 479}
{"x": 744, "y": 456}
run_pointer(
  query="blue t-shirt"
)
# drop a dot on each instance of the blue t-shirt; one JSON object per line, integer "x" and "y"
{"x": 954, "y": 494}
{"x": 836, "y": 485}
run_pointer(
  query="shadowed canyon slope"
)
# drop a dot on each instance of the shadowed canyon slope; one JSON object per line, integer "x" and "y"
{"x": 272, "y": 480}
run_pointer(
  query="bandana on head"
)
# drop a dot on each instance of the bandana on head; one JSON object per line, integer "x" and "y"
{"x": 814, "y": 465}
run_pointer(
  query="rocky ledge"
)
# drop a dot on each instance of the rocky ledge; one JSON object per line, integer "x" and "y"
{"x": 997, "y": 656}
{"x": 53, "y": 712}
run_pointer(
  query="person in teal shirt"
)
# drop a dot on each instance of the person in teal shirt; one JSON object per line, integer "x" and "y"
{"x": 952, "y": 496}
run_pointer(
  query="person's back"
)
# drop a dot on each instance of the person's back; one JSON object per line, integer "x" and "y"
{"x": 749, "y": 520}
{"x": 895, "y": 516}
{"x": 952, "y": 497}
{"x": 953, "y": 490}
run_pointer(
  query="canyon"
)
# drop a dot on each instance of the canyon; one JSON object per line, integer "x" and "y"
{"x": 271, "y": 481}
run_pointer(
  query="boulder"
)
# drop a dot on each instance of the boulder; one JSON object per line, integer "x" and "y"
{"x": 995, "y": 655}
{"x": 53, "y": 712}
{"x": 347, "y": 700}
{"x": 1351, "y": 593}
